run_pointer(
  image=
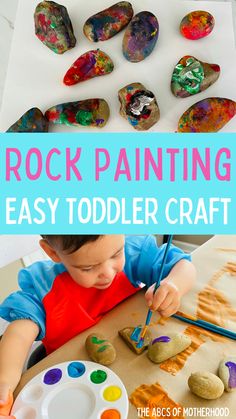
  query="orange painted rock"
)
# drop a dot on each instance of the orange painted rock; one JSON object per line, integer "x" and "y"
{"x": 193, "y": 76}
{"x": 208, "y": 115}
{"x": 91, "y": 64}
{"x": 197, "y": 24}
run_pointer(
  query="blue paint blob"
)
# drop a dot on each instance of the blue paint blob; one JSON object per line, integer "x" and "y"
{"x": 232, "y": 374}
{"x": 136, "y": 334}
{"x": 140, "y": 343}
{"x": 52, "y": 376}
{"x": 162, "y": 339}
{"x": 76, "y": 369}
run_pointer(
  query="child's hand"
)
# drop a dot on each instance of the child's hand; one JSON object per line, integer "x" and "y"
{"x": 6, "y": 401}
{"x": 166, "y": 299}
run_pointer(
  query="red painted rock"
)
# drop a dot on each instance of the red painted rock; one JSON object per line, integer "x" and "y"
{"x": 208, "y": 115}
{"x": 197, "y": 24}
{"x": 193, "y": 76}
{"x": 107, "y": 23}
{"x": 88, "y": 113}
{"x": 91, "y": 64}
{"x": 138, "y": 106}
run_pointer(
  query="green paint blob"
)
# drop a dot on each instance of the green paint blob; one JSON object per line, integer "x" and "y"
{"x": 97, "y": 341}
{"x": 84, "y": 117}
{"x": 189, "y": 77}
{"x": 98, "y": 377}
{"x": 103, "y": 348}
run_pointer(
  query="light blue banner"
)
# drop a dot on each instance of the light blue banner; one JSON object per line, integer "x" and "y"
{"x": 118, "y": 183}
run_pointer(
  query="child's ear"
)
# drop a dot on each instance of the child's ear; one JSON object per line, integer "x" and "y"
{"x": 51, "y": 252}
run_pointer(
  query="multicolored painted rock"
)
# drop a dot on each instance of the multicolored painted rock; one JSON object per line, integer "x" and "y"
{"x": 192, "y": 76}
{"x": 107, "y": 23}
{"x": 208, "y": 115}
{"x": 91, "y": 64}
{"x": 88, "y": 113}
{"x": 227, "y": 373}
{"x": 53, "y": 26}
{"x": 197, "y": 24}
{"x": 32, "y": 121}
{"x": 140, "y": 37}
{"x": 138, "y": 106}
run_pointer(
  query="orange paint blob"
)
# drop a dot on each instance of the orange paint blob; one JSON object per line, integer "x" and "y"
{"x": 156, "y": 399}
{"x": 6, "y": 408}
{"x": 111, "y": 414}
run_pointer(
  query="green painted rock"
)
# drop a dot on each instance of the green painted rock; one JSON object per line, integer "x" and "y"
{"x": 192, "y": 76}
{"x": 206, "y": 385}
{"x": 161, "y": 349}
{"x": 53, "y": 26}
{"x": 138, "y": 106}
{"x": 99, "y": 349}
{"x": 227, "y": 372}
{"x": 32, "y": 121}
{"x": 88, "y": 113}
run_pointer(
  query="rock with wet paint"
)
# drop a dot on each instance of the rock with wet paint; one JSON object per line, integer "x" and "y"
{"x": 206, "y": 385}
{"x": 140, "y": 37}
{"x": 31, "y": 121}
{"x": 99, "y": 349}
{"x": 164, "y": 347}
{"x": 197, "y": 24}
{"x": 227, "y": 373}
{"x": 53, "y": 26}
{"x": 191, "y": 76}
{"x": 86, "y": 113}
{"x": 89, "y": 65}
{"x": 107, "y": 23}
{"x": 138, "y": 106}
{"x": 131, "y": 336}
{"x": 208, "y": 115}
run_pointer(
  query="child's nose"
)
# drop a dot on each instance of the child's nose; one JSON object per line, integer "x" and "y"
{"x": 107, "y": 272}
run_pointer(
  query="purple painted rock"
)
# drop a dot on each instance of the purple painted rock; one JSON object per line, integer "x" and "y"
{"x": 161, "y": 349}
{"x": 227, "y": 373}
{"x": 140, "y": 37}
{"x": 208, "y": 115}
{"x": 192, "y": 76}
{"x": 107, "y": 23}
{"x": 138, "y": 106}
{"x": 53, "y": 26}
{"x": 88, "y": 113}
{"x": 32, "y": 121}
{"x": 91, "y": 64}
{"x": 197, "y": 24}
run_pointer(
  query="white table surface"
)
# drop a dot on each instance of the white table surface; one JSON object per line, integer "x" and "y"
{"x": 7, "y": 18}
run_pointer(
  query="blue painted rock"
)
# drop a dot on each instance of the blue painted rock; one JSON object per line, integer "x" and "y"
{"x": 107, "y": 23}
{"x": 197, "y": 24}
{"x": 140, "y": 37}
{"x": 138, "y": 106}
{"x": 91, "y": 64}
{"x": 32, "y": 121}
{"x": 164, "y": 347}
{"x": 127, "y": 335}
{"x": 192, "y": 76}
{"x": 227, "y": 373}
{"x": 88, "y": 113}
{"x": 53, "y": 26}
{"x": 208, "y": 115}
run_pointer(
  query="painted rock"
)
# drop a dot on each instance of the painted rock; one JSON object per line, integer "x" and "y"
{"x": 107, "y": 23}
{"x": 91, "y": 64}
{"x": 53, "y": 26}
{"x": 89, "y": 112}
{"x": 206, "y": 385}
{"x": 192, "y": 76}
{"x": 208, "y": 115}
{"x": 138, "y": 106}
{"x": 197, "y": 24}
{"x": 140, "y": 37}
{"x": 32, "y": 121}
{"x": 164, "y": 347}
{"x": 99, "y": 349}
{"x": 131, "y": 336}
{"x": 227, "y": 373}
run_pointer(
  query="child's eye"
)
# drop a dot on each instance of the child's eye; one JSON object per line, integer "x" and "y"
{"x": 118, "y": 254}
{"x": 87, "y": 269}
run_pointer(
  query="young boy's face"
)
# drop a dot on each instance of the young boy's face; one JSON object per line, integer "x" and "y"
{"x": 96, "y": 263}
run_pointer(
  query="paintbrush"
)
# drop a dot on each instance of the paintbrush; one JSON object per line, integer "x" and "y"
{"x": 149, "y": 313}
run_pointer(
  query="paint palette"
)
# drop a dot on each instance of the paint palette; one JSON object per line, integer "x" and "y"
{"x": 76, "y": 389}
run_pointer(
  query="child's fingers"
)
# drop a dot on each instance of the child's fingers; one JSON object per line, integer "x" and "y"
{"x": 7, "y": 417}
{"x": 6, "y": 401}
{"x": 154, "y": 301}
{"x": 169, "y": 310}
{"x": 167, "y": 302}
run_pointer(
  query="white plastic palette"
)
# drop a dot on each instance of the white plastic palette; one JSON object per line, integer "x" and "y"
{"x": 75, "y": 390}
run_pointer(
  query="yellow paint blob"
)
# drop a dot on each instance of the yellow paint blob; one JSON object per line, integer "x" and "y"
{"x": 112, "y": 393}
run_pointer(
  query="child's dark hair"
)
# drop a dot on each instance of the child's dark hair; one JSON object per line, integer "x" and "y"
{"x": 69, "y": 243}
